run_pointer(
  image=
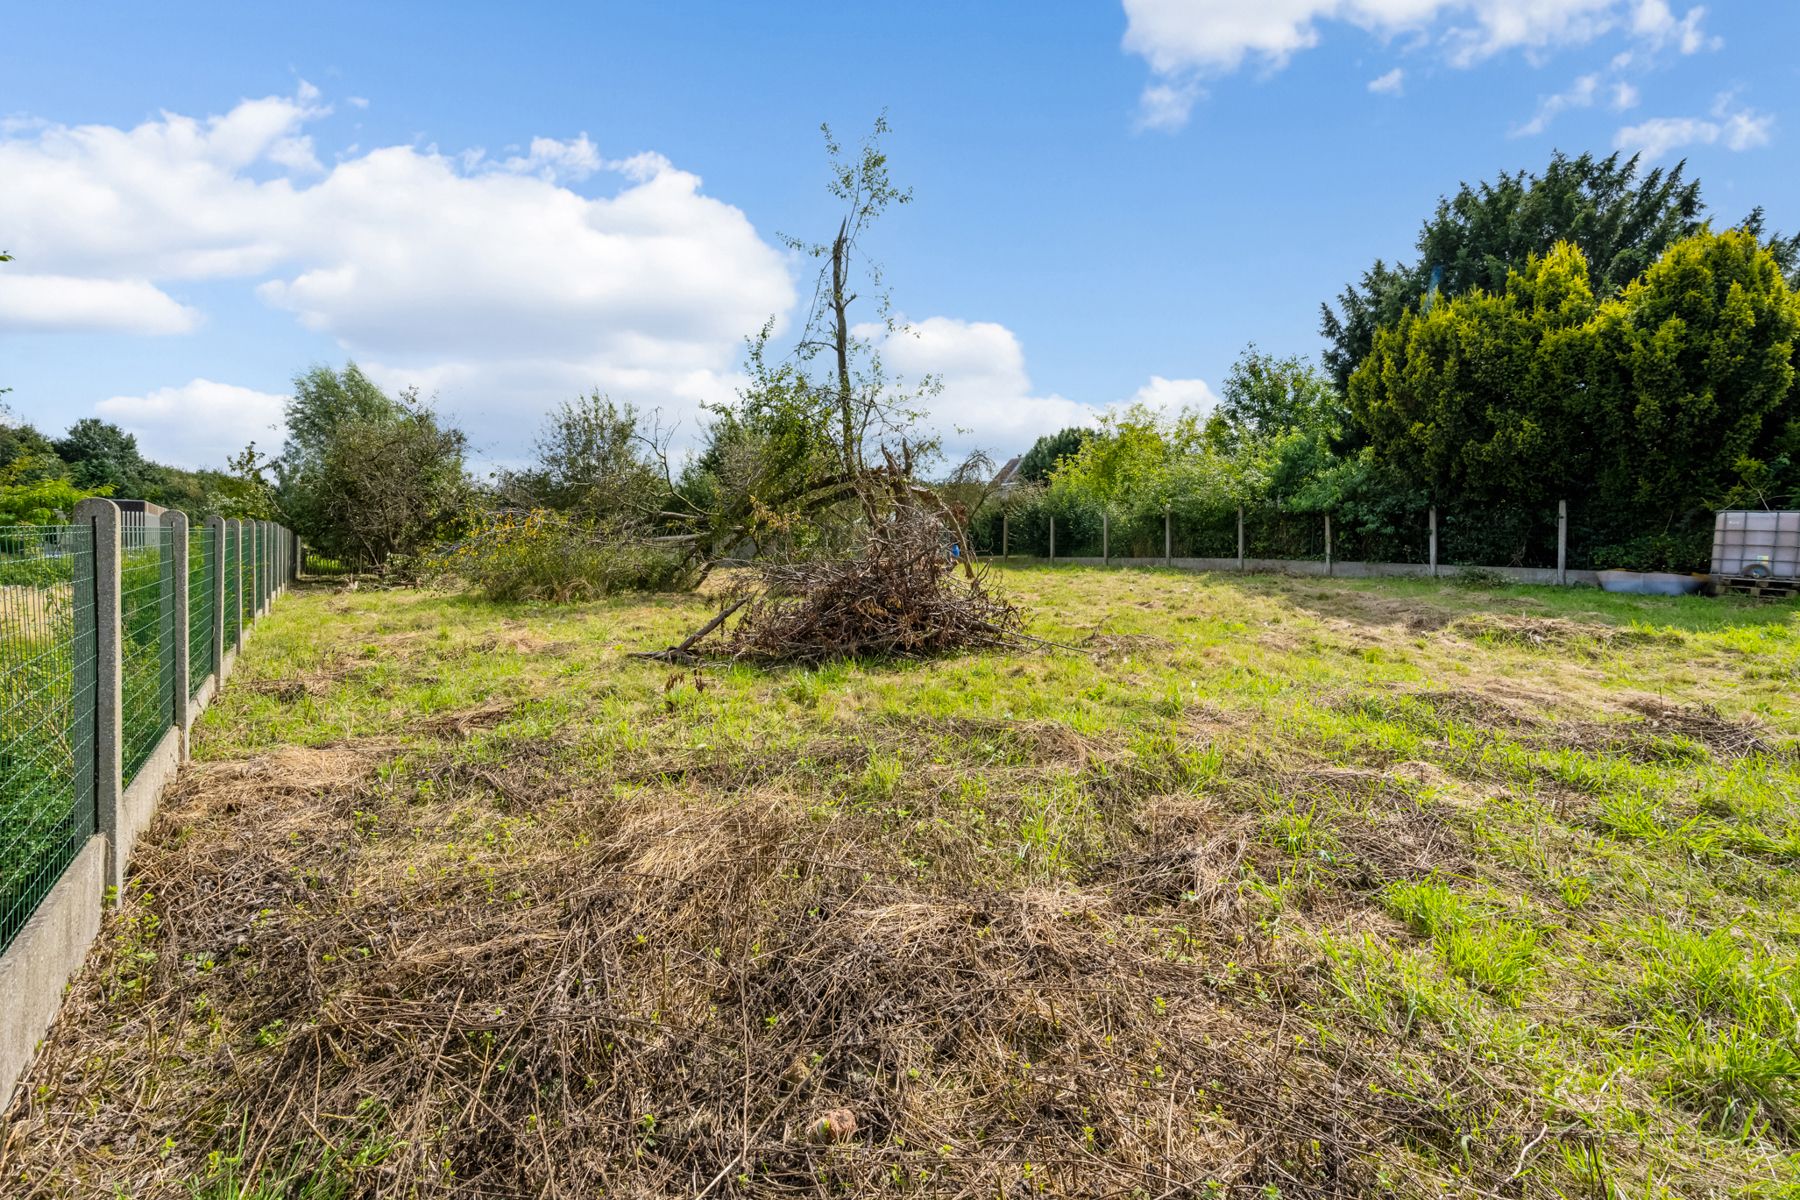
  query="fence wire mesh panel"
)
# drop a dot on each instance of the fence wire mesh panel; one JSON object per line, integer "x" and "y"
{"x": 314, "y": 563}
{"x": 1497, "y": 535}
{"x": 147, "y": 617}
{"x": 229, "y": 563}
{"x": 203, "y": 565}
{"x": 1029, "y": 534}
{"x": 1078, "y": 533}
{"x": 46, "y": 710}
{"x": 1269, "y": 533}
{"x": 246, "y": 576}
{"x": 1403, "y": 537}
{"x": 1202, "y": 535}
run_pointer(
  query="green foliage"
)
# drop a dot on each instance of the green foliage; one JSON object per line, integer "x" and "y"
{"x": 1266, "y": 396}
{"x": 43, "y": 500}
{"x": 1646, "y": 410}
{"x": 1040, "y": 461}
{"x": 547, "y": 555}
{"x": 591, "y": 461}
{"x": 41, "y": 479}
{"x": 1702, "y": 349}
{"x": 100, "y": 454}
{"x": 1621, "y": 221}
{"x": 364, "y": 476}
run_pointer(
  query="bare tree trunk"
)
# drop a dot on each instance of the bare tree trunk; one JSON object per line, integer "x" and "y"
{"x": 841, "y": 337}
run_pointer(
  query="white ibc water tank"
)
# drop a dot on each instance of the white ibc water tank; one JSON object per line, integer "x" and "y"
{"x": 1760, "y": 545}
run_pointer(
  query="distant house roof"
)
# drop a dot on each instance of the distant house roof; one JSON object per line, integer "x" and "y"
{"x": 1007, "y": 476}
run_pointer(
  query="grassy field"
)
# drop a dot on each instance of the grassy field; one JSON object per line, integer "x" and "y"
{"x": 1272, "y": 887}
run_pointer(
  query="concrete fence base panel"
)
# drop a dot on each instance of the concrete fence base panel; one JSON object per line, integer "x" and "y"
{"x": 137, "y": 803}
{"x": 44, "y": 956}
{"x": 47, "y": 951}
{"x": 1343, "y": 570}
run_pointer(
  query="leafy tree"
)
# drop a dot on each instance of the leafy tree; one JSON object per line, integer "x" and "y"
{"x": 592, "y": 460}
{"x": 100, "y": 454}
{"x": 21, "y": 441}
{"x": 43, "y": 500}
{"x": 1040, "y": 461}
{"x": 1703, "y": 350}
{"x": 1621, "y": 220}
{"x": 1142, "y": 461}
{"x": 1265, "y": 396}
{"x": 323, "y": 401}
{"x": 1645, "y": 409}
{"x": 364, "y": 475}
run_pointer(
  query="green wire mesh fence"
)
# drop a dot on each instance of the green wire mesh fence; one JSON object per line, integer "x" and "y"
{"x": 52, "y": 584}
{"x": 229, "y": 561}
{"x": 147, "y": 690}
{"x": 247, "y": 567}
{"x": 203, "y": 567}
{"x": 46, "y": 706}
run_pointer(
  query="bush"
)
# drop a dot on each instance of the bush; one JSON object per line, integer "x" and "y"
{"x": 544, "y": 555}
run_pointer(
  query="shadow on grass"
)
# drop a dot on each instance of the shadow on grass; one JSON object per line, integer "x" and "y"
{"x": 1433, "y": 603}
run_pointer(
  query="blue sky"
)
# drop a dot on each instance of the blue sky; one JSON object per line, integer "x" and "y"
{"x": 506, "y": 206}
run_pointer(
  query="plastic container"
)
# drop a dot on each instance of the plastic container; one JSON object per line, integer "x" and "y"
{"x": 1760, "y": 545}
{"x": 1650, "y": 583}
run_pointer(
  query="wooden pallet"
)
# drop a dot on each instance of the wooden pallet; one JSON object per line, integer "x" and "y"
{"x": 1771, "y": 589}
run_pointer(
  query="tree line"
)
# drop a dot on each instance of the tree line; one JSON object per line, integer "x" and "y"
{"x": 1580, "y": 335}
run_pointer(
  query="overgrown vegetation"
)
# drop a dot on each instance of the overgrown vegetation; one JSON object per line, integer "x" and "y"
{"x": 42, "y": 479}
{"x": 543, "y": 554}
{"x": 1280, "y": 887}
{"x": 364, "y": 476}
{"x": 1579, "y": 336}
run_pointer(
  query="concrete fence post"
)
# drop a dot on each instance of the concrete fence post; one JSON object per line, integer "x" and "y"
{"x": 177, "y": 525}
{"x": 1052, "y": 539}
{"x": 1328, "y": 543}
{"x": 1562, "y": 541}
{"x": 1105, "y": 539}
{"x": 1240, "y": 516}
{"x": 1433, "y": 518}
{"x": 109, "y": 668}
{"x": 1168, "y": 538}
{"x": 215, "y": 534}
{"x": 1005, "y": 535}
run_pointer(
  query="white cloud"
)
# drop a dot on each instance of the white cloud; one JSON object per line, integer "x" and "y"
{"x": 987, "y": 400}
{"x": 199, "y": 423}
{"x": 1735, "y": 129}
{"x": 59, "y": 303}
{"x": 1185, "y": 41}
{"x": 489, "y": 282}
{"x": 1581, "y": 95}
{"x": 1389, "y": 84}
{"x": 493, "y": 280}
{"x": 1166, "y": 106}
{"x": 552, "y": 160}
{"x": 1624, "y": 96}
{"x": 1172, "y": 395}
{"x": 1654, "y": 21}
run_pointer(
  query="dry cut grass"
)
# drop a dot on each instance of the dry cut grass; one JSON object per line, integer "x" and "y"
{"x": 1276, "y": 889}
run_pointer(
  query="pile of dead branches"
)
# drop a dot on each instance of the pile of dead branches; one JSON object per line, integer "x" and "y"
{"x": 904, "y": 593}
